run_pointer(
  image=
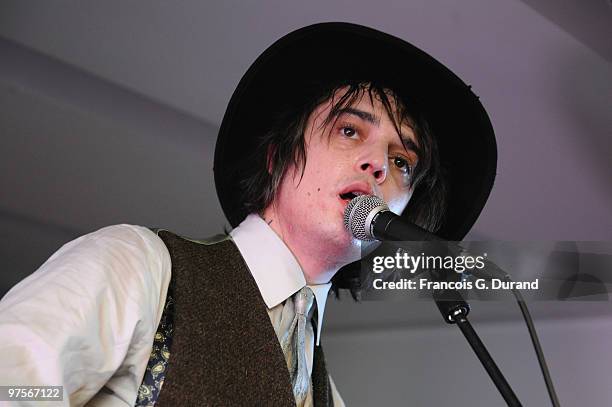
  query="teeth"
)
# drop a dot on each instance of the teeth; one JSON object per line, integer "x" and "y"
{"x": 358, "y": 193}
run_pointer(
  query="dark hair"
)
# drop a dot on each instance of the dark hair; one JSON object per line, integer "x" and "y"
{"x": 283, "y": 145}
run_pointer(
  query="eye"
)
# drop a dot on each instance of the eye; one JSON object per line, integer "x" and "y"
{"x": 348, "y": 131}
{"x": 402, "y": 164}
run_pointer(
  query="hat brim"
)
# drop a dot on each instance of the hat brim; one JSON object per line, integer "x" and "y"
{"x": 325, "y": 51}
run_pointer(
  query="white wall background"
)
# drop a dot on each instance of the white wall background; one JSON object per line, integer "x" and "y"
{"x": 109, "y": 113}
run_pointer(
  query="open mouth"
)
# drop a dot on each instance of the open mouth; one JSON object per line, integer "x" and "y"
{"x": 347, "y": 196}
{"x": 353, "y": 190}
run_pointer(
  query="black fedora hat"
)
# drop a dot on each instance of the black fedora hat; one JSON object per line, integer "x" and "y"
{"x": 280, "y": 77}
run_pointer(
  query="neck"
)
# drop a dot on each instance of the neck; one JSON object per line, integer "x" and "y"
{"x": 319, "y": 262}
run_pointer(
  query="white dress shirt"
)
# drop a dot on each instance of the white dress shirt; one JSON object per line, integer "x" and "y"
{"x": 86, "y": 318}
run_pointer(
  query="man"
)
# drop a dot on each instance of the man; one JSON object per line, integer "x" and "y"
{"x": 125, "y": 315}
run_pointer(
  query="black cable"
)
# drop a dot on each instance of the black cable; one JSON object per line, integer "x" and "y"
{"x": 536, "y": 345}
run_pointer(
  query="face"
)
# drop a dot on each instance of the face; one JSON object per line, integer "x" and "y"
{"x": 357, "y": 152}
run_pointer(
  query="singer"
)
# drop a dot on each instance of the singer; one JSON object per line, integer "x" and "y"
{"x": 130, "y": 316}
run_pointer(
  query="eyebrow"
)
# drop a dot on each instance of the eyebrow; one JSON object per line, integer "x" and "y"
{"x": 363, "y": 115}
{"x": 408, "y": 143}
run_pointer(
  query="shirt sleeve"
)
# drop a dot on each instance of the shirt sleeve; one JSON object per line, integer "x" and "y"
{"x": 86, "y": 318}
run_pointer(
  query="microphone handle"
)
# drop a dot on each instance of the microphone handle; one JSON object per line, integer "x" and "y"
{"x": 386, "y": 225}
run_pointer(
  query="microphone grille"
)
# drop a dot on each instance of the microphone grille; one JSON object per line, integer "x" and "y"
{"x": 357, "y": 212}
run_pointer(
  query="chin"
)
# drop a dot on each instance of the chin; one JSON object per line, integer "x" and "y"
{"x": 343, "y": 246}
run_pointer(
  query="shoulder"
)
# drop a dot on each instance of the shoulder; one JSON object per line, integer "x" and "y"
{"x": 124, "y": 237}
{"x": 119, "y": 272}
{"x": 125, "y": 256}
{"x": 128, "y": 260}
{"x": 115, "y": 247}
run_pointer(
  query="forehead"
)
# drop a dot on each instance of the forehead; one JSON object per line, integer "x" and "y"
{"x": 367, "y": 106}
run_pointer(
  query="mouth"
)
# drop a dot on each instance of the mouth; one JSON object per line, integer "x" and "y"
{"x": 353, "y": 191}
{"x": 347, "y": 196}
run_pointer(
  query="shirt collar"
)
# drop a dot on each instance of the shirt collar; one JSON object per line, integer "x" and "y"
{"x": 275, "y": 269}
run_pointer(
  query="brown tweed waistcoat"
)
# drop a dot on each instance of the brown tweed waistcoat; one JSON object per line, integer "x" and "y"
{"x": 225, "y": 351}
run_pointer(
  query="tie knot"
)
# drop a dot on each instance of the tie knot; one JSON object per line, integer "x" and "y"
{"x": 303, "y": 301}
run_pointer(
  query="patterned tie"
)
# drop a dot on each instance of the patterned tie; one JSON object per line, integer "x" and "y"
{"x": 293, "y": 345}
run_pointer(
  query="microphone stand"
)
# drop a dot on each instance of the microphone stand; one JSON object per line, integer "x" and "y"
{"x": 454, "y": 310}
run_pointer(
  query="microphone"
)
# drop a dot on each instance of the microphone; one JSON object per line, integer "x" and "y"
{"x": 368, "y": 218}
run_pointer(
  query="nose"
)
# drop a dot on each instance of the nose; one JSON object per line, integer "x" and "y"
{"x": 374, "y": 163}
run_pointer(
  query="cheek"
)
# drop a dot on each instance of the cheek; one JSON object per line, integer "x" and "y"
{"x": 305, "y": 191}
{"x": 397, "y": 200}
{"x": 320, "y": 174}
